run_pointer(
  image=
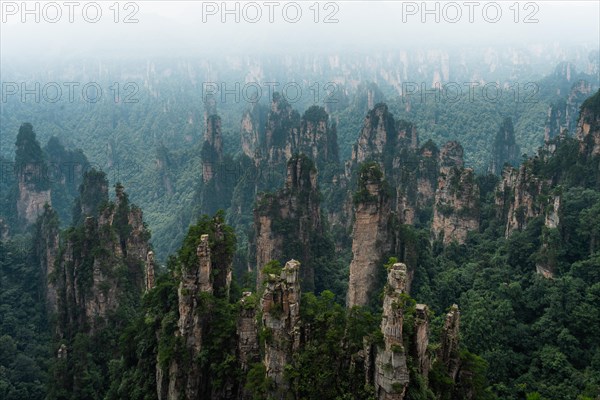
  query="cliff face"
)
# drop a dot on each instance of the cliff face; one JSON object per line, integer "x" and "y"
{"x": 247, "y": 332}
{"x": 32, "y": 176}
{"x": 219, "y": 173}
{"x": 505, "y": 148}
{"x": 212, "y": 149}
{"x": 32, "y": 199}
{"x": 185, "y": 378}
{"x": 562, "y": 115}
{"x": 456, "y": 209}
{"x": 377, "y": 127}
{"x": 253, "y": 130}
{"x": 283, "y": 123}
{"x": 149, "y": 271}
{"x": 516, "y": 197}
{"x": 271, "y": 139}
{"x": 289, "y": 221}
{"x": 428, "y": 173}
{"x": 280, "y": 305}
{"x": 100, "y": 263}
{"x": 248, "y": 349}
{"x": 547, "y": 262}
{"x": 449, "y": 351}
{"x": 420, "y": 340}
{"x": 391, "y": 371}
{"x": 588, "y": 127}
{"x": 370, "y": 236}
{"x": 47, "y": 249}
{"x": 411, "y": 174}
{"x": 317, "y": 138}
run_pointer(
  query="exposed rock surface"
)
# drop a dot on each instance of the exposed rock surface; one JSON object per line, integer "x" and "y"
{"x": 253, "y": 130}
{"x": 280, "y": 305}
{"x": 391, "y": 371}
{"x": 283, "y": 124}
{"x": 546, "y": 264}
{"x": 420, "y": 341}
{"x": 516, "y": 197}
{"x": 456, "y": 209}
{"x": 562, "y": 115}
{"x": 47, "y": 249}
{"x": 32, "y": 176}
{"x": 505, "y": 148}
{"x": 247, "y": 332}
{"x": 370, "y": 237}
{"x": 449, "y": 351}
{"x": 185, "y": 378}
{"x": 411, "y": 175}
{"x": 271, "y": 139}
{"x": 86, "y": 272}
{"x": 212, "y": 150}
{"x": 588, "y": 127}
{"x": 149, "y": 271}
{"x": 31, "y": 201}
{"x": 288, "y": 221}
{"x": 248, "y": 350}
{"x": 378, "y": 125}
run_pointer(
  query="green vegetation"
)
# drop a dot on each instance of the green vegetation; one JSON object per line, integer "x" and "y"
{"x": 528, "y": 336}
{"x": 369, "y": 173}
{"x": 24, "y": 330}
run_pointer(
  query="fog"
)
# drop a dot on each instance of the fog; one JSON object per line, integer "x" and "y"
{"x": 41, "y": 31}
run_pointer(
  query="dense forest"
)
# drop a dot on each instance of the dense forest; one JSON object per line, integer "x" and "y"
{"x": 371, "y": 250}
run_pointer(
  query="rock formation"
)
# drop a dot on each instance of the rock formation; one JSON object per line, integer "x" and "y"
{"x": 546, "y": 264}
{"x": 88, "y": 267}
{"x": 280, "y": 305}
{"x": 288, "y": 221}
{"x": 378, "y": 128}
{"x": 271, "y": 140}
{"x": 253, "y": 130}
{"x": 248, "y": 350}
{"x": 449, "y": 351}
{"x": 247, "y": 332}
{"x": 370, "y": 235}
{"x": 185, "y": 378}
{"x": 391, "y": 371}
{"x": 588, "y": 127}
{"x": 562, "y": 114}
{"x": 149, "y": 271}
{"x": 420, "y": 340}
{"x": 516, "y": 197}
{"x": 47, "y": 249}
{"x": 32, "y": 200}
{"x": 32, "y": 176}
{"x": 283, "y": 123}
{"x": 50, "y": 176}
{"x": 411, "y": 172}
{"x": 456, "y": 209}
{"x": 317, "y": 137}
{"x": 505, "y": 148}
{"x": 212, "y": 149}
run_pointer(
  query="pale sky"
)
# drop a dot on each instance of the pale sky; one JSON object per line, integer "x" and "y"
{"x": 175, "y": 28}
